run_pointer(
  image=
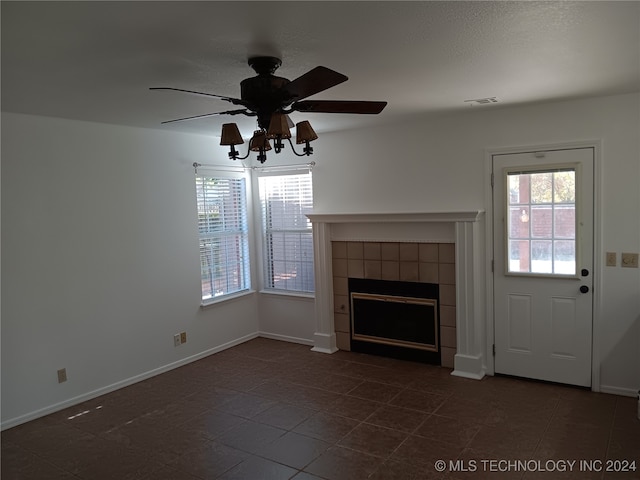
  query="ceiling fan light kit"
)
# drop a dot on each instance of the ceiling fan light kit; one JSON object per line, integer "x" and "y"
{"x": 278, "y": 129}
{"x": 230, "y": 135}
{"x": 259, "y": 143}
{"x": 278, "y": 126}
{"x": 305, "y": 134}
{"x": 271, "y": 99}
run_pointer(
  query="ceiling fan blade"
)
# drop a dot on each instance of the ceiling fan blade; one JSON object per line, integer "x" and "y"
{"x": 229, "y": 112}
{"x": 339, "y": 106}
{"x": 314, "y": 81}
{"x": 235, "y": 101}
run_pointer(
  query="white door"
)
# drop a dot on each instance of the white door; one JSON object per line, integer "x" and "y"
{"x": 543, "y": 259}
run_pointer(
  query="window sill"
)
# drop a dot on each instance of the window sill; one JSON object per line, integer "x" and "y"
{"x": 289, "y": 293}
{"x": 221, "y": 299}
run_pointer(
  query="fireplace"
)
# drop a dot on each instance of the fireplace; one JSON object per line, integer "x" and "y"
{"x": 383, "y": 246}
{"x": 402, "y": 269}
{"x": 395, "y": 319}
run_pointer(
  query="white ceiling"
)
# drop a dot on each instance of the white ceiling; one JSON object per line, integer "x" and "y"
{"x": 96, "y": 60}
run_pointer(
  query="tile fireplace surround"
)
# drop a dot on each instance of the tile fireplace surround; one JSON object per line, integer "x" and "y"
{"x": 442, "y": 247}
{"x": 396, "y": 261}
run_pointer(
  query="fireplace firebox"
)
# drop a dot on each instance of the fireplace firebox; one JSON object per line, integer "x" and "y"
{"x": 395, "y": 319}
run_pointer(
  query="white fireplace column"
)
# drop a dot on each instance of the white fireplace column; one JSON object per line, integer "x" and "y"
{"x": 324, "y": 338}
{"x": 469, "y": 361}
{"x": 470, "y": 355}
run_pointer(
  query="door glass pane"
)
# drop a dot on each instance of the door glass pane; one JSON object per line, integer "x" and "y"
{"x": 564, "y": 254}
{"x": 541, "y": 251}
{"x": 519, "y": 257}
{"x": 541, "y": 191}
{"x": 564, "y": 222}
{"x": 541, "y": 222}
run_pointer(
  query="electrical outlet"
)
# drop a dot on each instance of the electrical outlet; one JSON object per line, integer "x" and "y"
{"x": 62, "y": 375}
{"x": 176, "y": 340}
{"x": 183, "y": 337}
{"x": 612, "y": 259}
{"x": 629, "y": 260}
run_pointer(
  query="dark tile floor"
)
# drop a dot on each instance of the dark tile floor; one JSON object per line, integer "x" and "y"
{"x": 275, "y": 410}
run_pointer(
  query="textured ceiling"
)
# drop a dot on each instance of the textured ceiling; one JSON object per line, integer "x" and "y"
{"x": 95, "y": 60}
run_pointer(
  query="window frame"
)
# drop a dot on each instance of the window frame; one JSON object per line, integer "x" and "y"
{"x": 244, "y": 233}
{"x": 266, "y": 281}
{"x": 566, "y": 167}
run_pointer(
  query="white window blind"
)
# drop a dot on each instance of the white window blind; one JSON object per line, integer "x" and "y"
{"x": 287, "y": 239}
{"x": 224, "y": 238}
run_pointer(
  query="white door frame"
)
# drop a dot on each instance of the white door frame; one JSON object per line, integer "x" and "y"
{"x": 598, "y": 257}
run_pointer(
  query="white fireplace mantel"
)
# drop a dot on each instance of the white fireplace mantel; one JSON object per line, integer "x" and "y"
{"x": 471, "y": 353}
{"x": 419, "y": 217}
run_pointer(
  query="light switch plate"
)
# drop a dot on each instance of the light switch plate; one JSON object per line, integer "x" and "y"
{"x": 630, "y": 260}
{"x": 612, "y": 259}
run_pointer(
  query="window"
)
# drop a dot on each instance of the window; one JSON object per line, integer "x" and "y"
{"x": 287, "y": 235}
{"x": 541, "y": 222}
{"x": 223, "y": 231}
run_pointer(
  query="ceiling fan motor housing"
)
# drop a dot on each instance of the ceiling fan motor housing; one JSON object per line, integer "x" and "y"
{"x": 263, "y": 94}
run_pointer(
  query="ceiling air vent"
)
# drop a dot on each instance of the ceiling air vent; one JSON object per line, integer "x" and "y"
{"x": 482, "y": 101}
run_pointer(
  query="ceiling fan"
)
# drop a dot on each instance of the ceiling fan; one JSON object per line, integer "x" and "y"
{"x": 271, "y": 98}
{"x": 266, "y": 94}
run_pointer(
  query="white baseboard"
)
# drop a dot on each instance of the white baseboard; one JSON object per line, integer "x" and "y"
{"x": 12, "y": 422}
{"x": 286, "y": 338}
{"x": 625, "y": 392}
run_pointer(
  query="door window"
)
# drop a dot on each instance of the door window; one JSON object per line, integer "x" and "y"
{"x": 541, "y": 222}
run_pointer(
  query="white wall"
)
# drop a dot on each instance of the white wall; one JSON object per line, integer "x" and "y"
{"x": 100, "y": 263}
{"x": 288, "y": 318}
{"x": 439, "y": 164}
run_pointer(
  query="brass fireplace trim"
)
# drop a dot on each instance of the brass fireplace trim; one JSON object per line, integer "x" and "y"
{"x": 396, "y": 299}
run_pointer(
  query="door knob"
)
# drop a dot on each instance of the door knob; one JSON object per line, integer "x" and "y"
{"x": 585, "y": 272}
{"x": 584, "y": 289}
